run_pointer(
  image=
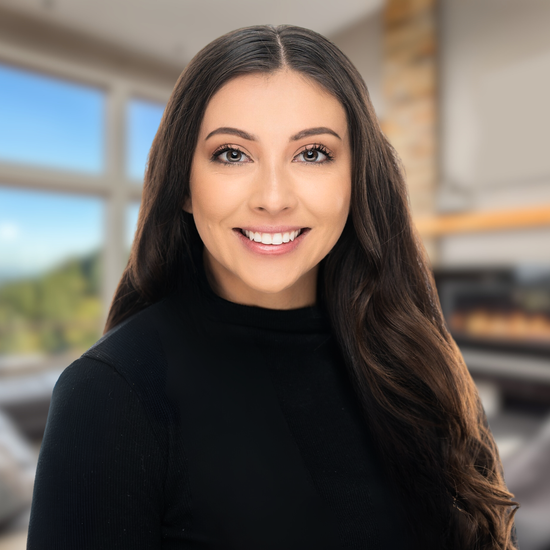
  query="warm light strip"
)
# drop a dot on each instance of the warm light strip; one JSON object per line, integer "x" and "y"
{"x": 483, "y": 221}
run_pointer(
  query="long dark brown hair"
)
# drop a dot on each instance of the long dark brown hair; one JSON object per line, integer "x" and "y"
{"x": 417, "y": 395}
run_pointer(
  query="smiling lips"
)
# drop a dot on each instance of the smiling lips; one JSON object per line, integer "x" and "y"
{"x": 271, "y": 238}
{"x": 273, "y": 242}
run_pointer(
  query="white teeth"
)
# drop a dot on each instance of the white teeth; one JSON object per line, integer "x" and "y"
{"x": 271, "y": 238}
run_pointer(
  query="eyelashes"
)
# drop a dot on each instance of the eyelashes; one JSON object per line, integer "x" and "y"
{"x": 227, "y": 149}
{"x": 237, "y": 155}
{"x": 317, "y": 147}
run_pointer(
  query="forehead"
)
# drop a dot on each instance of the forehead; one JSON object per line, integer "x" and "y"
{"x": 284, "y": 99}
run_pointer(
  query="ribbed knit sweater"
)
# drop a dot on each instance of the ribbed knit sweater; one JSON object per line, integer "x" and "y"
{"x": 200, "y": 423}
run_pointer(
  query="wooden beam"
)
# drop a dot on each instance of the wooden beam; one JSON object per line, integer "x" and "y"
{"x": 484, "y": 221}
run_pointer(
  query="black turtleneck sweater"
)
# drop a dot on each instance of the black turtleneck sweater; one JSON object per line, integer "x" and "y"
{"x": 200, "y": 423}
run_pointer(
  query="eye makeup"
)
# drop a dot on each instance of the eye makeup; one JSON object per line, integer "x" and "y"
{"x": 232, "y": 149}
{"x": 319, "y": 148}
{"x": 227, "y": 148}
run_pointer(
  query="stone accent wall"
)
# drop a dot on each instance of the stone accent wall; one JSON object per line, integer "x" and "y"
{"x": 410, "y": 94}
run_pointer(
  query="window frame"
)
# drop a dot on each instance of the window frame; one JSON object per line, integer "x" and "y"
{"x": 113, "y": 185}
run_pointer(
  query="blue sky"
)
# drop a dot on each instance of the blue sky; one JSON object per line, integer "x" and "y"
{"x": 39, "y": 230}
{"x": 143, "y": 120}
{"x": 51, "y": 123}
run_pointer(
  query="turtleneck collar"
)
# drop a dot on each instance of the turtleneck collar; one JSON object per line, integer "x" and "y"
{"x": 309, "y": 319}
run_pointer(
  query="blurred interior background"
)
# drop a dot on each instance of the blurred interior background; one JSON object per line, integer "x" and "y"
{"x": 461, "y": 89}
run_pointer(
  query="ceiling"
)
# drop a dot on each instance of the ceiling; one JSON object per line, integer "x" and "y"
{"x": 174, "y": 30}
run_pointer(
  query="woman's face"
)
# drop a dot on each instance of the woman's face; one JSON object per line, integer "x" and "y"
{"x": 272, "y": 157}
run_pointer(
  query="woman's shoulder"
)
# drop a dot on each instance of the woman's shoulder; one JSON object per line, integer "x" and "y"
{"x": 132, "y": 341}
{"x": 105, "y": 455}
{"x": 132, "y": 353}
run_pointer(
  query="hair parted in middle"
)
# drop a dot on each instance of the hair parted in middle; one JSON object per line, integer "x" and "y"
{"x": 418, "y": 398}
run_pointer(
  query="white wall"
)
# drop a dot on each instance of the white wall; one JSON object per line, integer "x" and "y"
{"x": 362, "y": 43}
{"x": 495, "y": 120}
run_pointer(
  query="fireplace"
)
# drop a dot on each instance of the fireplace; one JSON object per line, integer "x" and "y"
{"x": 500, "y": 319}
{"x": 501, "y": 309}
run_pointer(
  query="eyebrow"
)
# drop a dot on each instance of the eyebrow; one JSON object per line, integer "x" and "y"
{"x": 251, "y": 137}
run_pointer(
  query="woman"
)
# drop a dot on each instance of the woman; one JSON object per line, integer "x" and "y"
{"x": 275, "y": 370}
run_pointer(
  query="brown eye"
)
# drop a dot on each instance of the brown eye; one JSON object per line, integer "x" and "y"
{"x": 234, "y": 155}
{"x": 230, "y": 155}
{"x": 317, "y": 154}
{"x": 311, "y": 155}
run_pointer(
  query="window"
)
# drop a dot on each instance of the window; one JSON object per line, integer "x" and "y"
{"x": 50, "y": 122}
{"x": 50, "y": 272}
{"x": 143, "y": 119}
{"x": 61, "y": 244}
{"x": 132, "y": 211}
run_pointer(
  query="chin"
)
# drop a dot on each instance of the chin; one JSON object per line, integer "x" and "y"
{"x": 269, "y": 281}
{"x": 272, "y": 288}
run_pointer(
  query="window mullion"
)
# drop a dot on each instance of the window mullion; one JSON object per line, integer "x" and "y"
{"x": 117, "y": 196}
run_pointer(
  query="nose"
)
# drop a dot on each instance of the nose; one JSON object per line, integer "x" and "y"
{"x": 273, "y": 190}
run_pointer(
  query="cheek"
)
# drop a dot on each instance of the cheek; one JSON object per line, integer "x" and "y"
{"x": 331, "y": 203}
{"x": 212, "y": 200}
